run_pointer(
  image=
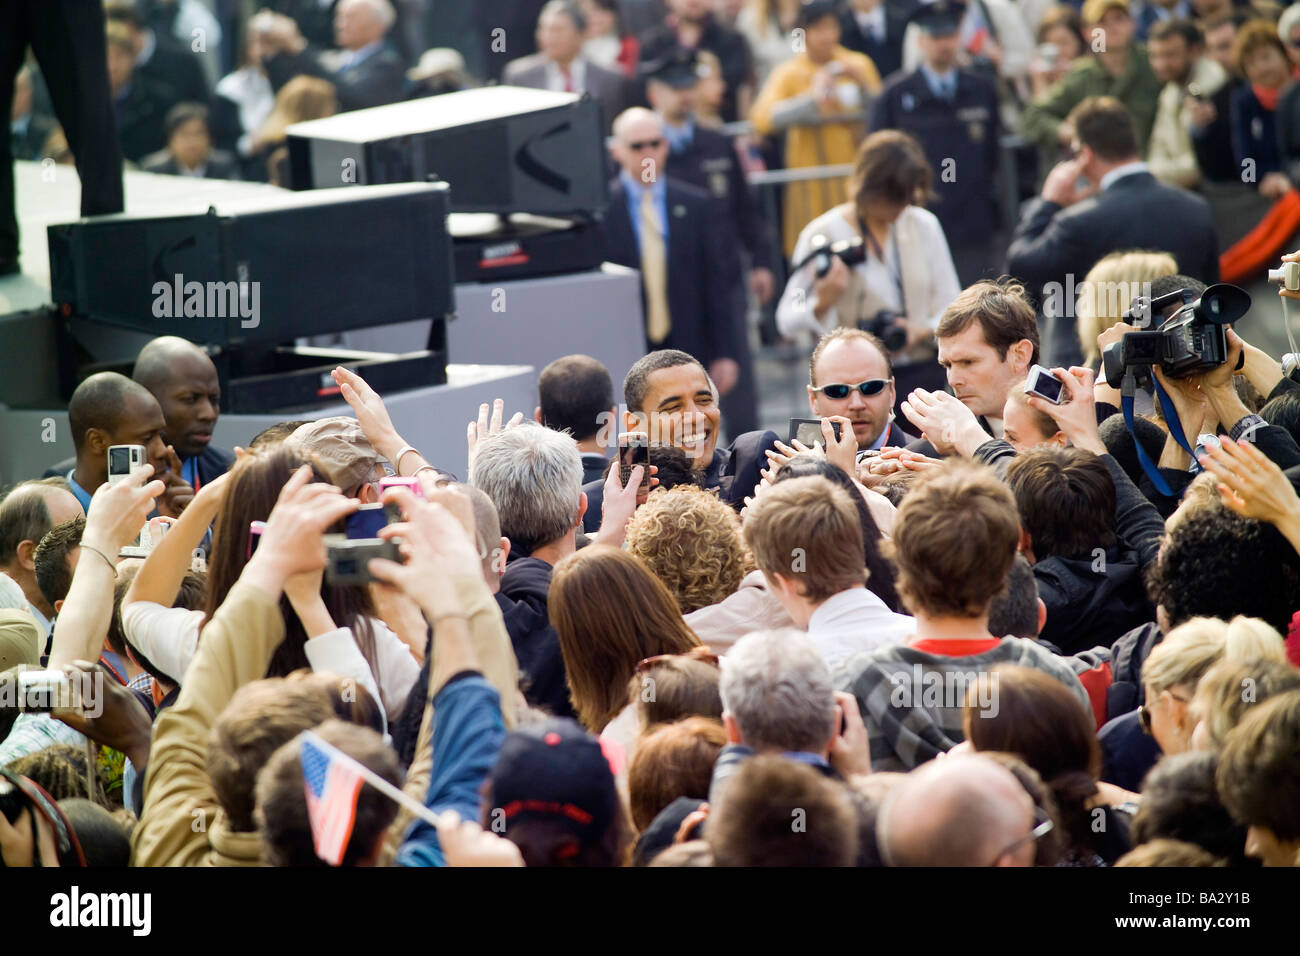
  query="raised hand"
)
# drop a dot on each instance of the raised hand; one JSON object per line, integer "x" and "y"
{"x": 480, "y": 429}
{"x": 118, "y": 512}
{"x": 178, "y": 492}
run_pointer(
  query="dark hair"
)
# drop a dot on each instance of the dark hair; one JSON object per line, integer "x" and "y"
{"x": 1015, "y": 613}
{"x": 183, "y": 113}
{"x": 574, "y": 392}
{"x": 1104, "y": 125}
{"x": 812, "y": 11}
{"x": 53, "y": 576}
{"x": 1181, "y": 802}
{"x": 1040, "y": 721}
{"x": 1217, "y": 564}
{"x": 1062, "y": 15}
{"x": 282, "y": 814}
{"x": 1001, "y": 308}
{"x": 124, "y": 11}
{"x": 255, "y": 484}
{"x": 569, "y": 9}
{"x": 891, "y": 166}
{"x": 1168, "y": 29}
{"x": 24, "y": 516}
{"x": 61, "y": 770}
{"x": 274, "y": 434}
{"x": 1284, "y": 412}
{"x": 1066, "y": 500}
{"x": 674, "y": 466}
{"x": 750, "y": 823}
{"x": 100, "y": 402}
{"x": 636, "y": 382}
{"x": 880, "y": 570}
{"x": 104, "y": 841}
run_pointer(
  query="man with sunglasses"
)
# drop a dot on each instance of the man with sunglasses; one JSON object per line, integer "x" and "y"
{"x": 670, "y": 232}
{"x": 849, "y": 374}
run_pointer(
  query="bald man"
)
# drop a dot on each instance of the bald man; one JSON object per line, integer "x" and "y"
{"x": 110, "y": 409}
{"x": 670, "y": 232}
{"x": 960, "y": 810}
{"x": 27, "y": 513}
{"x": 181, "y": 376}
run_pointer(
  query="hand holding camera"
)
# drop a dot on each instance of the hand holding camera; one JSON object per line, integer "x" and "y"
{"x": 120, "y": 720}
{"x": 436, "y": 540}
{"x": 119, "y": 510}
{"x": 1077, "y": 415}
{"x": 293, "y": 541}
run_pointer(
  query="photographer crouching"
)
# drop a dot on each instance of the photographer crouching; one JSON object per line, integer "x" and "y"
{"x": 879, "y": 262}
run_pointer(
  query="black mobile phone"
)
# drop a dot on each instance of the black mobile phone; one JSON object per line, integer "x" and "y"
{"x": 809, "y": 430}
{"x": 633, "y": 450}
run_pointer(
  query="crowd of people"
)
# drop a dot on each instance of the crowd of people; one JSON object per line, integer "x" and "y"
{"x": 972, "y": 625}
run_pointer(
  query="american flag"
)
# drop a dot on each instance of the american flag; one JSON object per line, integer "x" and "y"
{"x": 333, "y": 781}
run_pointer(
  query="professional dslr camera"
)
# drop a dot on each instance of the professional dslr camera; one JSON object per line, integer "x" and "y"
{"x": 1192, "y": 340}
{"x": 887, "y": 325}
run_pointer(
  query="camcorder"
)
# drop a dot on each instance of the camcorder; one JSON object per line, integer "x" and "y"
{"x": 887, "y": 325}
{"x": 348, "y": 555}
{"x": 1192, "y": 340}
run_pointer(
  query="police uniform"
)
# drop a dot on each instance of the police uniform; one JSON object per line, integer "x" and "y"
{"x": 960, "y": 139}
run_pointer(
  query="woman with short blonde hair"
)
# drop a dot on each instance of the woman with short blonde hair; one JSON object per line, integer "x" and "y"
{"x": 1108, "y": 289}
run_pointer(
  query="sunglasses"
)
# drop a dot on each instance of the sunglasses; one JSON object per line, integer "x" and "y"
{"x": 1043, "y": 825}
{"x": 645, "y": 144}
{"x": 838, "y": 391}
{"x": 1144, "y": 714}
{"x": 698, "y": 654}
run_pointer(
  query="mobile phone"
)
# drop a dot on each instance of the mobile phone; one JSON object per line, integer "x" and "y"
{"x": 809, "y": 430}
{"x": 397, "y": 481}
{"x": 366, "y": 521}
{"x": 255, "y": 529}
{"x": 44, "y": 692}
{"x": 633, "y": 450}
{"x": 1045, "y": 385}
{"x": 123, "y": 460}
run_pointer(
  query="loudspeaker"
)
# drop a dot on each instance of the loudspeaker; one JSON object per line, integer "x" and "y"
{"x": 503, "y": 149}
{"x": 262, "y": 271}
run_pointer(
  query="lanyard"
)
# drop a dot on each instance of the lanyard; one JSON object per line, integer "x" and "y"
{"x": 895, "y": 273}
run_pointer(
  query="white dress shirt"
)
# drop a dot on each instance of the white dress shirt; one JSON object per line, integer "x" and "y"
{"x": 853, "y": 622}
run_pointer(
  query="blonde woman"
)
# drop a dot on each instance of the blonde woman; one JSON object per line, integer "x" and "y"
{"x": 302, "y": 98}
{"x": 1108, "y": 289}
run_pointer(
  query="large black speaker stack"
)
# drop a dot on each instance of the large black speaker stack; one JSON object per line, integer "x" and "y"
{"x": 532, "y": 159}
{"x": 247, "y": 278}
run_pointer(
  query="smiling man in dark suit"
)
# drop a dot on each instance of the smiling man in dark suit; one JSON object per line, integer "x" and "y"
{"x": 1066, "y": 230}
{"x": 670, "y": 232}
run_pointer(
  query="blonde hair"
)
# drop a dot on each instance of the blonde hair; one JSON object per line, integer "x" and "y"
{"x": 1202, "y": 494}
{"x": 1110, "y": 286}
{"x": 1222, "y": 698}
{"x": 1193, "y": 647}
{"x": 302, "y": 98}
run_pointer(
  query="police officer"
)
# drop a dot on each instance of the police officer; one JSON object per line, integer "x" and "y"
{"x": 953, "y": 113}
{"x": 708, "y": 159}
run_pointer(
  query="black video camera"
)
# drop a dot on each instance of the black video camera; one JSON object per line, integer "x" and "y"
{"x": 887, "y": 325}
{"x": 1191, "y": 341}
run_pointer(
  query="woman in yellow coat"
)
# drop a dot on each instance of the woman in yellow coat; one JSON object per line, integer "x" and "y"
{"x": 821, "y": 80}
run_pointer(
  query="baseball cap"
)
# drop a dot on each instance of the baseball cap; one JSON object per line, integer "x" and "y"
{"x": 21, "y": 638}
{"x": 678, "y": 69}
{"x": 1094, "y": 10}
{"x": 339, "y": 448}
{"x": 555, "y": 770}
{"x": 940, "y": 18}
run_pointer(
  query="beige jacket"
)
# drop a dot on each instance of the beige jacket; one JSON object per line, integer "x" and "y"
{"x": 1171, "y": 157}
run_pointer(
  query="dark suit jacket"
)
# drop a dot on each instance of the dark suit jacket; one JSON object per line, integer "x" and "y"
{"x": 888, "y": 54}
{"x": 962, "y": 134}
{"x": 172, "y": 64}
{"x": 1254, "y": 132}
{"x": 697, "y": 291}
{"x": 221, "y": 165}
{"x": 31, "y": 144}
{"x": 605, "y": 87}
{"x": 1213, "y": 144}
{"x": 709, "y": 162}
{"x": 1136, "y": 212}
{"x": 733, "y": 473}
{"x": 140, "y": 118}
{"x": 377, "y": 80}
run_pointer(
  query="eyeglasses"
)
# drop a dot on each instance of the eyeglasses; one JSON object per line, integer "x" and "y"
{"x": 1043, "y": 825}
{"x": 645, "y": 144}
{"x": 698, "y": 654}
{"x": 1144, "y": 714}
{"x": 839, "y": 391}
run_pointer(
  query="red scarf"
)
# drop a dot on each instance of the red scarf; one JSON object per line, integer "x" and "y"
{"x": 1267, "y": 97}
